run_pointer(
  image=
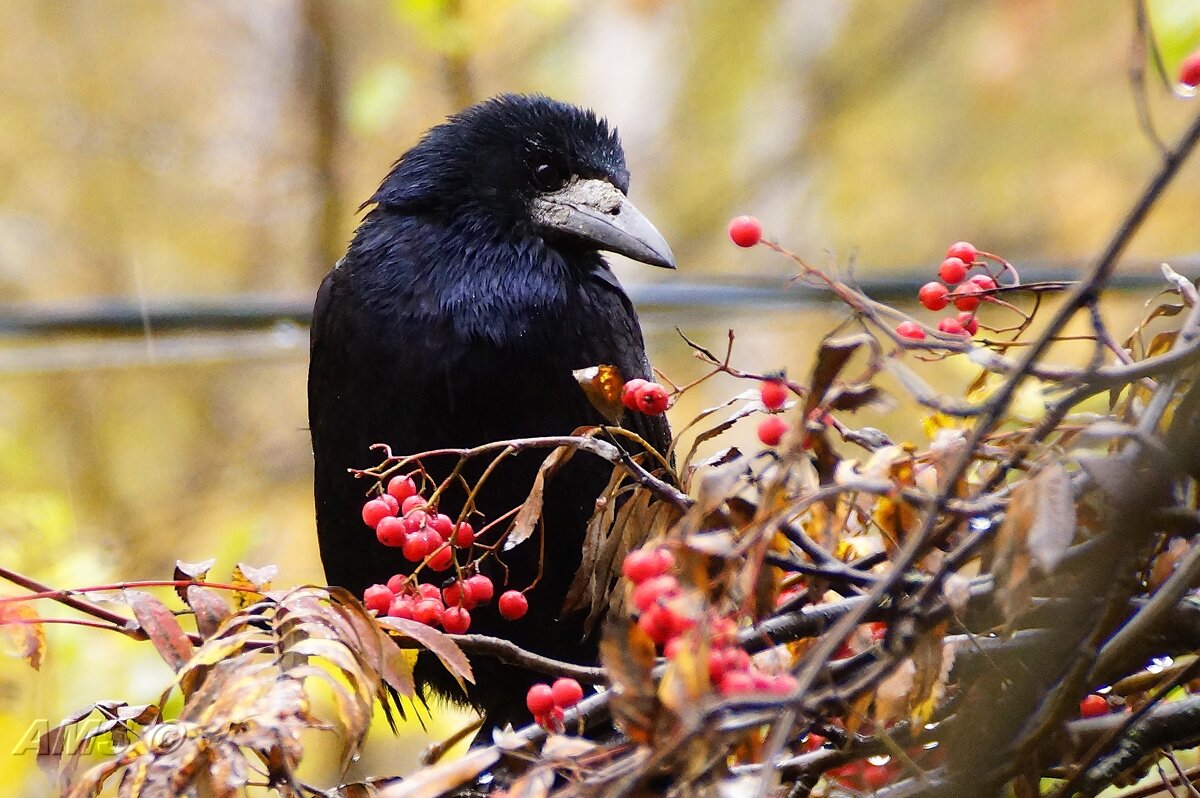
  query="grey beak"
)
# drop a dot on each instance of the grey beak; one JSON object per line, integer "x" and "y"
{"x": 597, "y": 212}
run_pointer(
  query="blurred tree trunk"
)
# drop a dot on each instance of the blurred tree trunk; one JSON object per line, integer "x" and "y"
{"x": 320, "y": 83}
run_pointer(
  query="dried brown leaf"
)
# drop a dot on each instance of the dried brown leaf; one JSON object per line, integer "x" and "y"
{"x": 531, "y": 510}
{"x": 434, "y": 781}
{"x": 627, "y": 655}
{"x": 1053, "y": 524}
{"x": 436, "y": 642}
{"x": 832, "y": 357}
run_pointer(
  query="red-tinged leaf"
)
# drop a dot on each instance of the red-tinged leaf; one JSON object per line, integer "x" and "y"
{"x": 443, "y": 647}
{"x": 531, "y": 511}
{"x": 191, "y": 572}
{"x": 434, "y": 781}
{"x": 253, "y": 582}
{"x": 21, "y": 633}
{"x": 209, "y": 608}
{"x": 602, "y": 385}
{"x": 161, "y": 626}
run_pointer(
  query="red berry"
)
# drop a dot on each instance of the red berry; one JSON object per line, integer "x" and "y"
{"x": 716, "y": 666}
{"x": 464, "y": 535}
{"x": 442, "y": 559}
{"x": 479, "y": 588}
{"x": 398, "y": 583}
{"x": 952, "y": 270}
{"x": 812, "y": 742}
{"x": 415, "y": 521}
{"x": 402, "y": 607}
{"x": 567, "y": 692}
{"x": 428, "y": 612}
{"x": 414, "y": 548}
{"x": 429, "y": 590}
{"x": 951, "y": 327}
{"x": 456, "y": 620}
{"x": 375, "y": 511}
{"x": 1093, "y": 706}
{"x": 512, "y": 604}
{"x": 391, "y": 502}
{"x": 736, "y": 682}
{"x": 1189, "y": 70}
{"x": 774, "y": 394}
{"x": 783, "y": 683}
{"x": 453, "y": 594}
{"x": 378, "y": 598}
{"x": 642, "y": 564}
{"x": 968, "y": 322}
{"x": 412, "y": 503}
{"x": 966, "y": 296}
{"x": 391, "y": 531}
{"x": 964, "y": 251}
{"x": 876, "y": 777}
{"x": 551, "y": 721}
{"x": 933, "y": 295}
{"x": 984, "y": 281}
{"x": 650, "y": 592}
{"x": 745, "y": 231}
{"x": 910, "y": 330}
{"x": 540, "y": 699}
{"x": 401, "y": 487}
{"x": 442, "y": 524}
{"x": 736, "y": 659}
{"x": 629, "y": 392}
{"x": 652, "y": 399}
{"x": 771, "y": 430}
{"x": 658, "y": 623}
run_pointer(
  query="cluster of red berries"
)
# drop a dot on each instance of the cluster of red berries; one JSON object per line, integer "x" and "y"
{"x": 547, "y": 701}
{"x": 644, "y": 396}
{"x": 960, "y": 259}
{"x": 402, "y": 518}
{"x": 730, "y": 668}
{"x": 448, "y": 606}
{"x": 745, "y": 231}
{"x": 774, "y": 394}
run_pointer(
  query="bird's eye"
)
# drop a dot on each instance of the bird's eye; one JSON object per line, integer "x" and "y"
{"x": 548, "y": 177}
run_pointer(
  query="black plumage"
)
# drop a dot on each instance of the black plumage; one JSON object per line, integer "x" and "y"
{"x": 471, "y": 290}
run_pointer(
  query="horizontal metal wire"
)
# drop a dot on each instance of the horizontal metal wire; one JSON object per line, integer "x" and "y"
{"x": 123, "y": 316}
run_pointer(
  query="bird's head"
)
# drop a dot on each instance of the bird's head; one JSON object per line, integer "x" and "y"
{"x": 528, "y": 165}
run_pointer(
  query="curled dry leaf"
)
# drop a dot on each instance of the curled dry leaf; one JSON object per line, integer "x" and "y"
{"x": 602, "y": 385}
{"x": 21, "y": 634}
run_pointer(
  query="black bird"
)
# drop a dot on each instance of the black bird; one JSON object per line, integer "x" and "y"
{"x": 470, "y": 291}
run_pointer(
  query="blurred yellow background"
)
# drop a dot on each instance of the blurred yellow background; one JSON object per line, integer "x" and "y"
{"x": 158, "y": 151}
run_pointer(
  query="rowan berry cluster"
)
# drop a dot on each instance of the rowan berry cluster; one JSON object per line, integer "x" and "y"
{"x": 961, "y": 258}
{"x": 546, "y": 702}
{"x": 644, "y": 396}
{"x": 658, "y": 599}
{"x": 774, "y": 394}
{"x": 402, "y": 518}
